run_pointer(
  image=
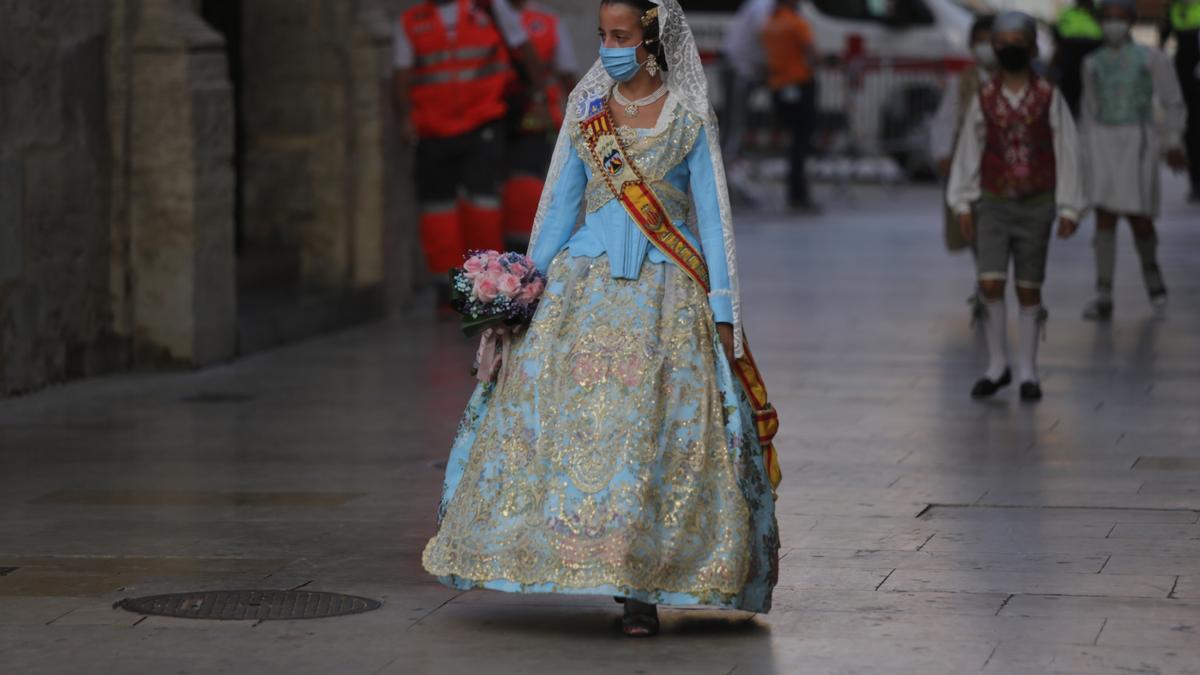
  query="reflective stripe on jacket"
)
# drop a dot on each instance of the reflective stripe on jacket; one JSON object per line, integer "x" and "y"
{"x": 457, "y": 86}
{"x": 1185, "y": 15}
{"x": 1076, "y": 23}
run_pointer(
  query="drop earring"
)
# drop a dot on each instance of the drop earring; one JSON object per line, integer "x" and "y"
{"x": 652, "y": 65}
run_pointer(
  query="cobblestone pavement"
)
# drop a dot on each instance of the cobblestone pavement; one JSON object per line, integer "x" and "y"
{"x": 923, "y": 532}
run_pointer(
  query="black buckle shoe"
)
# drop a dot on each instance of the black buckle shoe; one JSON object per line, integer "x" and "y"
{"x": 1031, "y": 391}
{"x": 986, "y": 388}
{"x": 1099, "y": 309}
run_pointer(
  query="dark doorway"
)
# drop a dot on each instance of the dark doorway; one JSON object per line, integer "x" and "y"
{"x": 225, "y": 16}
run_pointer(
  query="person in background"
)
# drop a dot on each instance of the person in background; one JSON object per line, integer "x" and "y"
{"x": 1183, "y": 21}
{"x": 743, "y": 69}
{"x": 791, "y": 74}
{"x": 535, "y": 119}
{"x": 947, "y": 123}
{"x": 1076, "y": 35}
{"x": 452, "y": 68}
{"x": 1123, "y": 84}
{"x": 1015, "y": 168}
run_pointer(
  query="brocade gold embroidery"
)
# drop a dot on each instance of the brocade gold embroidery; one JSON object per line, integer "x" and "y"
{"x": 602, "y": 459}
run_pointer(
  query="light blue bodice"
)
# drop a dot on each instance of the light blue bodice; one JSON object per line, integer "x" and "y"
{"x": 608, "y": 229}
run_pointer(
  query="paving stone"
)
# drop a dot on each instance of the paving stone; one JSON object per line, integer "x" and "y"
{"x": 158, "y": 493}
{"x": 826, "y": 578}
{"x": 1114, "y": 585}
{"x": 1128, "y": 531}
{"x": 1055, "y": 515}
{"x": 1182, "y": 633}
{"x": 1028, "y": 658}
{"x": 1145, "y": 609}
{"x": 878, "y": 602}
{"x": 936, "y": 560}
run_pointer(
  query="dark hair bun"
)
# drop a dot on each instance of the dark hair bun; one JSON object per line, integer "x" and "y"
{"x": 650, "y": 30}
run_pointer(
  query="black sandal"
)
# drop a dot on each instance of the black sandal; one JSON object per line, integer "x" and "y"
{"x": 640, "y": 620}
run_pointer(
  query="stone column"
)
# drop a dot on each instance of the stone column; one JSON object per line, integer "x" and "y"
{"x": 296, "y": 96}
{"x": 181, "y": 188}
{"x": 385, "y": 246}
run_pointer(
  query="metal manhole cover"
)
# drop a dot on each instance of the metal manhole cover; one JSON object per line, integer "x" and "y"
{"x": 250, "y": 605}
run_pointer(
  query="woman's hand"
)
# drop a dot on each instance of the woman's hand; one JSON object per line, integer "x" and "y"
{"x": 725, "y": 330}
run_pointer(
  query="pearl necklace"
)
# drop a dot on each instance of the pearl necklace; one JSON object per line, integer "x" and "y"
{"x": 633, "y": 107}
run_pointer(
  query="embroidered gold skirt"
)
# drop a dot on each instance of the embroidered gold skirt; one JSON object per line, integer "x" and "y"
{"x": 616, "y": 455}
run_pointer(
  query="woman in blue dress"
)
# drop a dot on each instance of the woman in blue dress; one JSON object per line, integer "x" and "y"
{"x": 616, "y": 453}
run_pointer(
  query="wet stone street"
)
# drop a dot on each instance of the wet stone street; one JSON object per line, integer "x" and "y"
{"x": 923, "y": 532}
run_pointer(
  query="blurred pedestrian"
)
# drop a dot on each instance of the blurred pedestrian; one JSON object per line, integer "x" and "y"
{"x": 452, "y": 68}
{"x": 947, "y": 124}
{"x": 743, "y": 69}
{"x": 1018, "y": 157}
{"x": 535, "y": 119}
{"x": 1076, "y": 35}
{"x": 1184, "y": 22}
{"x": 1123, "y": 84}
{"x": 791, "y": 74}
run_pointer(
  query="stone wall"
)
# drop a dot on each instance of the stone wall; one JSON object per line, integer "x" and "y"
{"x": 316, "y": 130}
{"x": 118, "y": 181}
{"x": 55, "y": 315}
{"x": 115, "y": 190}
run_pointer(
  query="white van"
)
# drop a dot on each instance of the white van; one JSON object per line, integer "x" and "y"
{"x": 886, "y": 64}
{"x": 909, "y": 29}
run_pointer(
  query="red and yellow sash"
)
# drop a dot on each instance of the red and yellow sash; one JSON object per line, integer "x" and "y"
{"x": 635, "y": 194}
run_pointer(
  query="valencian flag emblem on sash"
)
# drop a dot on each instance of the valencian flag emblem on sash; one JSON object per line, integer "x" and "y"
{"x": 644, "y": 207}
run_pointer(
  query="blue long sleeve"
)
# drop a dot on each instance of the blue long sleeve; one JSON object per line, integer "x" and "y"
{"x": 565, "y": 201}
{"x": 712, "y": 232}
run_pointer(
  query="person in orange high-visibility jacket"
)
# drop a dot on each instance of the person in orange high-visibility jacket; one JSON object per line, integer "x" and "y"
{"x": 452, "y": 67}
{"x": 531, "y": 139}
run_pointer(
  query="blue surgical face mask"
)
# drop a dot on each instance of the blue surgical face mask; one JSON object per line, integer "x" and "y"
{"x": 620, "y": 62}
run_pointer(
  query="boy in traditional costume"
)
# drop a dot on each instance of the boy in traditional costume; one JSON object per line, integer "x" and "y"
{"x": 1017, "y": 160}
{"x": 1123, "y": 85}
{"x": 624, "y": 449}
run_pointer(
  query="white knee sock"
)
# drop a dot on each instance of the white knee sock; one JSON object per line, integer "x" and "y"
{"x": 1030, "y": 325}
{"x": 996, "y": 325}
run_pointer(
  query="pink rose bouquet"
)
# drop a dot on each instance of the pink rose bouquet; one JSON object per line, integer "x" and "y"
{"x": 494, "y": 289}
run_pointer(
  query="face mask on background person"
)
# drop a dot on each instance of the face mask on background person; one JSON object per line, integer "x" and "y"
{"x": 984, "y": 54}
{"x": 620, "y": 62}
{"x": 1013, "y": 58}
{"x": 1115, "y": 30}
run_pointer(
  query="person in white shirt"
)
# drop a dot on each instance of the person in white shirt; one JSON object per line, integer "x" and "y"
{"x": 947, "y": 123}
{"x": 1018, "y": 157}
{"x": 743, "y": 69}
{"x": 1124, "y": 83}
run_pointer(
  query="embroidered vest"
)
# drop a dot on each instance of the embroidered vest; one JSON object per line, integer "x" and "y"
{"x": 1018, "y": 154}
{"x": 1124, "y": 88}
